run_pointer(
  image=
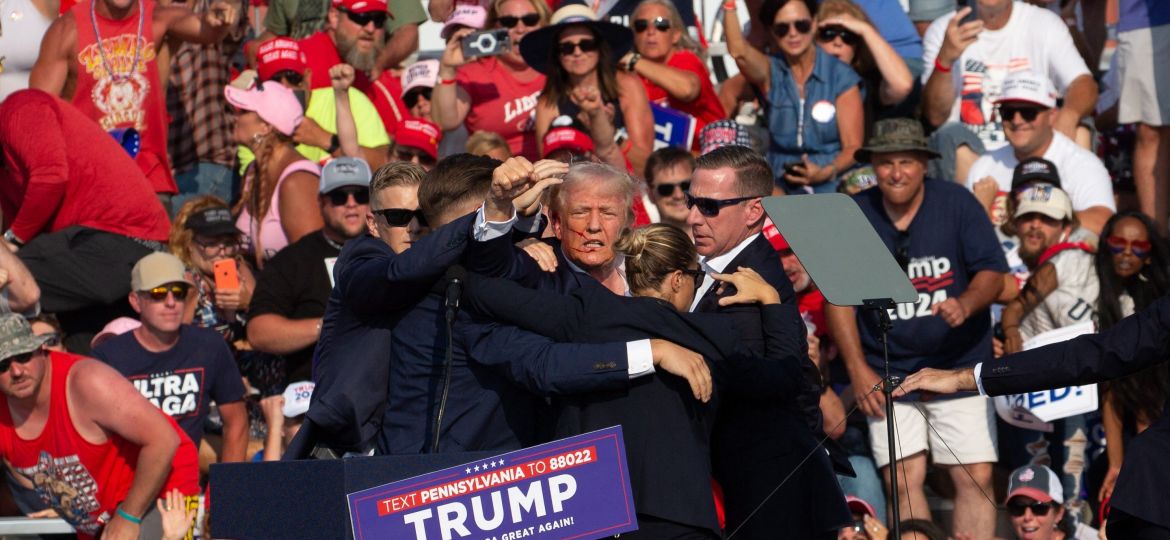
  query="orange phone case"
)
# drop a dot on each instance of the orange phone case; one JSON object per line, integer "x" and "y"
{"x": 226, "y": 275}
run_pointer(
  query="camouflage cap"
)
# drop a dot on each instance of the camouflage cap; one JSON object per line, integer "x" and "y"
{"x": 16, "y": 336}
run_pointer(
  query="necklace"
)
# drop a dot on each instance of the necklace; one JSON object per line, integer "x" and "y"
{"x": 117, "y": 77}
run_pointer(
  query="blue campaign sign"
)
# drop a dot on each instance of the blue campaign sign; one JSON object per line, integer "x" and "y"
{"x": 577, "y": 487}
{"x": 672, "y": 127}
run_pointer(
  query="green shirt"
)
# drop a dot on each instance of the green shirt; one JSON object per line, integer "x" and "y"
{"x": 299, "y": 19}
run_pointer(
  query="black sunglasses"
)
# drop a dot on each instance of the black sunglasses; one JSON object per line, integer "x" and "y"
{"x": 661, "y": 24}
{"x": 698, "y": 274}
{"x": 339, "y": 197}
{"x": 666, "y": 190}
{"x": 400, "y": 217}
{"x": 362, "y": 19}
{"x": 566, "y": 48}
{"x": 22, "y": 358}
{"x": 54, "y": 339}
{"x": 529, "y": 20}
{"x": 902, "y": 249}
{"x": 802, "y": 26}
{"x": 411, "y": 97}
{"x": 1039, "y": 509}
{"x": 406, "y": 153}
{"x": 1029, "y": 114}
{"x": 711, "y": 207}
{"x": 159, "y": 294}
{"x": 829, "y": 33}
{"x": 289, "y": 77}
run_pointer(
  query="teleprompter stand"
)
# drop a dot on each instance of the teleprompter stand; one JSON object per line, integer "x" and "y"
{"x": 852, "y": 267}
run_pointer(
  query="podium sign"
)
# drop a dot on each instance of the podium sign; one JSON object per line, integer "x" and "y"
{"x": 577, "y": 487}
{"x": 1035, "y": 410}
{"x": 672, "y": 127}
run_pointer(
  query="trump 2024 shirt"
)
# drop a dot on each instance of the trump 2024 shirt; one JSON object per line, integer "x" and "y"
{"x": 949, "y": 240}
{"x": 180, "y": 381}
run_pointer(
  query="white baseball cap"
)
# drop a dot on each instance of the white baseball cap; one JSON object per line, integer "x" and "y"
{"x": 1028, "y": 87}
{"x": 1045, "y": 199}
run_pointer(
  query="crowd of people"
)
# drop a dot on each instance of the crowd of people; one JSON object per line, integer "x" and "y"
{"x": 229, "y": 230}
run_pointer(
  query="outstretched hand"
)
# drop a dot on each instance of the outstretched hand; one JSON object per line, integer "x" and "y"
{"x": 938, "y": 381}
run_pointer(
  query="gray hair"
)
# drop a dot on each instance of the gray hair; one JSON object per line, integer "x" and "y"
{"x": 685, "y": 42}
{"x": 593, "y": 173}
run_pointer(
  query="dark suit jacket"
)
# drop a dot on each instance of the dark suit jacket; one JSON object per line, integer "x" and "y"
{"x": 1137, "y": 342}
{"x": 758, "y": 444}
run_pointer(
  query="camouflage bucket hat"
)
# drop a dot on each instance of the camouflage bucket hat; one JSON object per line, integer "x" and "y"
{"x": 895, "y": 135}
{"x": 16, "y": 336}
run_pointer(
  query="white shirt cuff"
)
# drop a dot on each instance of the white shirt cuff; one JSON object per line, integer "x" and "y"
{"x": 484, "y": 230}
{"x": 639, "y": 358}
{"x": 530, "y": 224}
{"x": 978, "y": 380}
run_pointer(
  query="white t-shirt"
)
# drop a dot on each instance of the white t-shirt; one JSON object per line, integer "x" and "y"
{"x": 1034, "y": 39}
{"x": 1075, "y": 299}
{"x": 1082, "y": 175}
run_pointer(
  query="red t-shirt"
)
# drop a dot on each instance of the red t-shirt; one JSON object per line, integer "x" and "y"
{"x": 83, "y": 481}
{"x": 70, "y": 173}
{"x": 502, "y": 104}
{"x": 706, "y": 108}
{"x": 321, "y": 54}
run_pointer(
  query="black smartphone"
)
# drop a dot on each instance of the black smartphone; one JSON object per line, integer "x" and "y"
{"x": 486, "y": 43}
{"x": 970, "y": 17}
{"x": 790, "y": 168}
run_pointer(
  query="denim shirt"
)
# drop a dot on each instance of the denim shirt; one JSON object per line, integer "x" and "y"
{"x": 794, "y": 129}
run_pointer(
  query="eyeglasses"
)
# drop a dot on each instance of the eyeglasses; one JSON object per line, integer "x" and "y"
{"x": 1039, "y": 509}
{"x": 666, "y": 190}
{"x": 711, "y": 207}
{"x": 803, "y": 26}
{"x": 1029, "y": 114}
{"x": 340, "y": 196}
{"x": 19, "y": 359}
{"x": 829, "y": 33}
{"x": 567, "y": 48}
{"x": 159, "y": 294}
{"x": 696, "y": 273}
{"x": 362, "y": 19}
{"x": 406, "y": 153}
{"x": 1140, "y": 248}
{"x": 411, "y": 97}
{"x": 902, "y": 249}
{"x": 661, "y": 24}
{"x": 220, "y": 246}
{"x": 400, "y": 217}
{"x": 510, "y": 21}
{"x": 289, "y": 77}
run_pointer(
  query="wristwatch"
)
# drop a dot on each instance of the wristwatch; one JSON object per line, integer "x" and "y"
{"x": 11, "y": 238}
{"x": 334, "y": 144}
{"x": 633, "y": 60}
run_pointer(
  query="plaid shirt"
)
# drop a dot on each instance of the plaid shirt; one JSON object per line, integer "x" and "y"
{"x": 201, "y": 120}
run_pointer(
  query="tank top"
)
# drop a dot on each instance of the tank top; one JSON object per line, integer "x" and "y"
{"x": 24, "y": 26}
{"x": 83, "y": 481}
{"x": 266, "y": 237}
{"x": 130, "y": 96}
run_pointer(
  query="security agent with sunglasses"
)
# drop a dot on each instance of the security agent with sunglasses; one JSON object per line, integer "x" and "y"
{"x": 179, "y": 368}
{"x": 60, "y": 409}
{"x": 291, "y": 292}
{"x": 941, "y": 237}
{"x": 1026, "y": 108}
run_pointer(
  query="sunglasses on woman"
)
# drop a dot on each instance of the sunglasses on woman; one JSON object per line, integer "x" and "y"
{"x": 288, "y": 77}
{"x": 339, "y": 197}
{"x": 362, "y": 19}
{"x": 696, "y": 273}
{"x": 803, "y": 26}
{"x": 661, "y": 24}
{"x": 158, "y": 294}
{"x": 711, "y": 207}
{"x": 1029, "y": 114}
{"x": 566, "y": 48}
{"x": 411, "y": 98}
{"x": 666, "y": 190}
{"x": 529, "y": 20}
{"x": 22, "y": 358}
{"x": 829, "y": 33}
{"x": 1140, "y": 248}
{"x": 400, "y": 217}
{"x": 1039, "y": 509}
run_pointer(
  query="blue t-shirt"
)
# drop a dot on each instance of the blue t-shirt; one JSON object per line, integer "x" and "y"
{"x": 950, "y": 240}
{"x": 894, "y": 26}
{"x": 1138, "y": 14}
{"x": 182, "y": 380}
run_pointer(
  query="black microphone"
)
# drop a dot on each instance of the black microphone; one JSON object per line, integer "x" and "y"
{"x": 455, "y": 277}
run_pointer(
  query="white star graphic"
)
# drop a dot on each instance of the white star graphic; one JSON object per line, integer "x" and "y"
{"x": 469, "y": 470}
{"x": 477, "y": 468}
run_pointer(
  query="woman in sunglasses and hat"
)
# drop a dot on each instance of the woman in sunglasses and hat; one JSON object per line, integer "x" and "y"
{"x": 812, "y": 100}
{"x": 578, "y": 54}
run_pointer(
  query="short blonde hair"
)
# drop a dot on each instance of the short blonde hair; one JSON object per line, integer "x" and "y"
{"x": 179, "y": 240}
{"x": 481, "y": 143}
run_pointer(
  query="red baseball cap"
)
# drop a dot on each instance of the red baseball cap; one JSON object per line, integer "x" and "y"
{"x": 773, "y": 235}
{"x": 567, "y": 137}
{"x": 420, "y": 134}
{"x": 279, "y": 54}
{"x": 361, "y": 6}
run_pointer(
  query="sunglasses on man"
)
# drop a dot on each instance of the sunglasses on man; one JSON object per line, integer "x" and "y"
{"x": 400, "y": 217}
{"x": 829, "y": 33}
{"x": 666, "y": 190}
{"x": 406, "y": 153}
{"x": 509, "y": 21}
{"x": 158, "y": 294}
{"x": 781, "y": 29}
{"x": 22, "y": 359}
{"x": 362, "y": 19}
{"x": 340, "y": 196}
{"x": 662, "y": 24}
{"x": 566, "y": 48}
{"x": 712, "y": 207}
{"x": 411, "y": 97}
{"x": 289, "y": 77}
{"x": 1027, "y": 112}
